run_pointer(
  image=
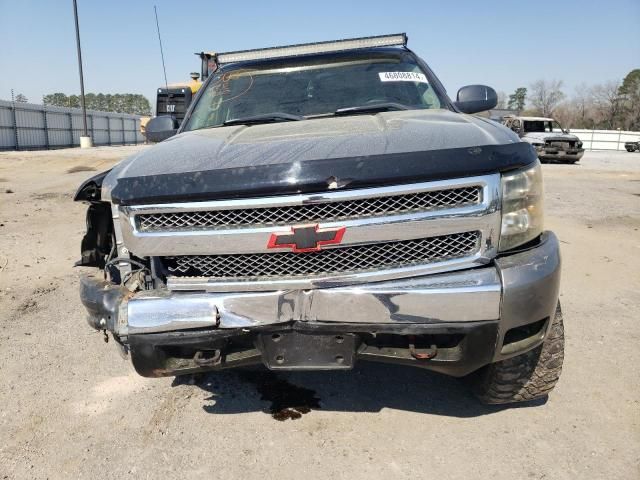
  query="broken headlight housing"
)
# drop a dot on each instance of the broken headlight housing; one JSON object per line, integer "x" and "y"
{"x": 522, "y": 207}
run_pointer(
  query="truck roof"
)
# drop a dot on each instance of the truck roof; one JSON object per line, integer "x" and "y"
{"x": 536, "y": 119}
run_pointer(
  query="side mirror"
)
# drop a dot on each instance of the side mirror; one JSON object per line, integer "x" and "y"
{"x": 476, "y": 98}
{"x": 160, "y": 128}
{"x": 566, "y": 130}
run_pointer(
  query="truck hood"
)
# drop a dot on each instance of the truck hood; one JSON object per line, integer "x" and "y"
{"x": 301, "y": 156}
{"x": 543, "y": 136}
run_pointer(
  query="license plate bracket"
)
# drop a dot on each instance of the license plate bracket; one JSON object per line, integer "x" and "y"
{"x": 307, "y": 351}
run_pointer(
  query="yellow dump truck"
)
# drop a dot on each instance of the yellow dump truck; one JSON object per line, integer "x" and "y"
{"x": 174, "y": 99}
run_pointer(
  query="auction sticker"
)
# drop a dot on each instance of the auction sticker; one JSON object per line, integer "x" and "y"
{"x": 402, "y": 77}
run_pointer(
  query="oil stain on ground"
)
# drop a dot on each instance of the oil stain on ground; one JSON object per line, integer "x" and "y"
{"x": 288, "y": 401}
{"x": 230, "y": 393}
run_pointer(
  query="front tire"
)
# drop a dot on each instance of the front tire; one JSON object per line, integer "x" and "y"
{"x": 526, "y": 377}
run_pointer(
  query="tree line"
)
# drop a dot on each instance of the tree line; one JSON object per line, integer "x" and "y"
{"x": 105, "y": 102}
{"x": 609, "y": 105}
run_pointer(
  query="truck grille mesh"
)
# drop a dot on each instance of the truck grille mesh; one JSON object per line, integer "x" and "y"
{"x": 326, "y": 262}
{"x": 562, "y": 145}
{"x": 313, "y": 213}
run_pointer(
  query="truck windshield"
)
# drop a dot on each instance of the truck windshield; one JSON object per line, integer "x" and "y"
{"x": 540, "y": 126}
{"x": 300, "y": 88}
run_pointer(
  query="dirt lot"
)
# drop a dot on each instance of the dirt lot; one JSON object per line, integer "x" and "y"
{"x": 70, "y": 407}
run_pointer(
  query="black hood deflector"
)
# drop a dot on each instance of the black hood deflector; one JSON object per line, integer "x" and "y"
{"x": 315, "y": 175}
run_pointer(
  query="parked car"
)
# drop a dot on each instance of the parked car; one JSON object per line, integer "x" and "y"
{"x": 324, "y": 204}
{"x": 632, "y": 146}
{"x": 551, "y": 141}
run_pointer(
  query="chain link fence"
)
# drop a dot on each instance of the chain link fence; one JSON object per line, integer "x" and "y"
{"x": 27, "y": 126}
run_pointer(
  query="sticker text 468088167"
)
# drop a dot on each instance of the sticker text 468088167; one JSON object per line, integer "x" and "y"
{"x": 402, "y": 77}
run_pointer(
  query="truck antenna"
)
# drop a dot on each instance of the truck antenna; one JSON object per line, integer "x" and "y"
{"x": 164, "y": 69}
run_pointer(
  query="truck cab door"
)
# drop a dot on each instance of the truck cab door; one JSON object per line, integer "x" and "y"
{"x": 516, "y": 126}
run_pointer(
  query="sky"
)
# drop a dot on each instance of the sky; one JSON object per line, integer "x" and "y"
{"x": 504, "y": 44}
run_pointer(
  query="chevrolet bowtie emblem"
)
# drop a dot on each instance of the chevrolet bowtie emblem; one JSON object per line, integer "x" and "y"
{"x": 306, "y": 238}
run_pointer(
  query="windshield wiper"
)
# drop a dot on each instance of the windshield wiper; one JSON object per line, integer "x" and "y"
{"x": 374, "y": 107}
{"x": 264, "y": 118}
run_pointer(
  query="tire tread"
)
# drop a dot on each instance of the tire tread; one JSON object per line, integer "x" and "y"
{"x": 525, "y": 377}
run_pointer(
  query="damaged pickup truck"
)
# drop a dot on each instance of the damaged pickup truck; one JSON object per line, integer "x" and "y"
{"x": 551, "y": 141}
{"x": 324, "y": 204}
{"x": 632, "y": 146}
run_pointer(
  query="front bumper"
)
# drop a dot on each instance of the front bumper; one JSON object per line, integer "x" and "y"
{"x": 559, "y": 155}
{"x": 468, "y": 316}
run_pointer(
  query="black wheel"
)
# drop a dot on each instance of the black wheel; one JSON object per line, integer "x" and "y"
{"x": 526, "y": 377}
{"x": 630, "y": 149}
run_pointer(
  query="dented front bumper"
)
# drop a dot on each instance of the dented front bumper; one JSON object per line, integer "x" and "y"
{"x": 559, "y": 155}
{"x": 463, "y": 316}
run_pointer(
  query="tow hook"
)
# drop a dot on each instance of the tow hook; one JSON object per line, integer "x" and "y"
{"x": 424, "y": 353}
{"x": 202, "y": 361}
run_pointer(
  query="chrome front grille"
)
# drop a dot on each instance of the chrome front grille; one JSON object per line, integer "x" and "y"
{"x": 390, "y": 232}
{"x": 561, "y": 145}
{"x": 351, "y": 259}
{"x": 311, "y": 213}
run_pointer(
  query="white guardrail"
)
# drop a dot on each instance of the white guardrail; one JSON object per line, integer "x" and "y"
{"x": 605, "y": 139}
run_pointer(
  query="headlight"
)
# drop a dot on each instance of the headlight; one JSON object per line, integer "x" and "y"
{"x": 522, "y": 207}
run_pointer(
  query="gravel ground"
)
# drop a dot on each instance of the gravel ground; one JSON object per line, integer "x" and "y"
{"x": 70, "y": 407}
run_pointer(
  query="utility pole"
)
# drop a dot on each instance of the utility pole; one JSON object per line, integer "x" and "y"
{"x": 85, "y": 139}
